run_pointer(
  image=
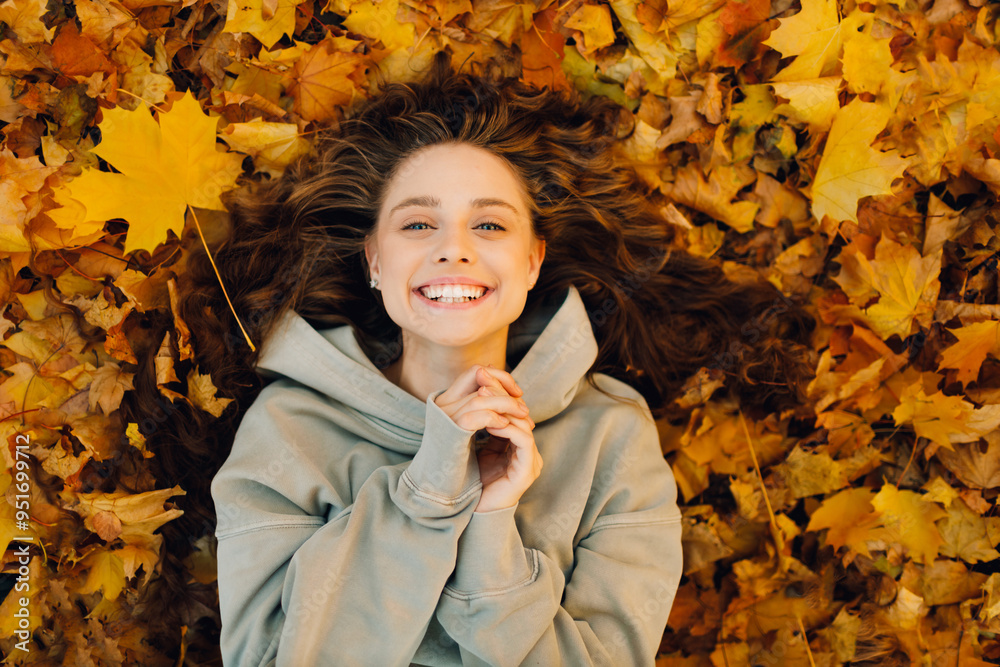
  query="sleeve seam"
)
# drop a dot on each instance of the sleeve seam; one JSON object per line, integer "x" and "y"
{"x": 437, "y": 497}
{"x": 625, "y": 523}
{"x": 306, "y": 523}
{"x": 493, "y": 592}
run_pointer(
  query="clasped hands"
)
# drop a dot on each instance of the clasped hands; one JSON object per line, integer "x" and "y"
{"x": 488, "y": 398}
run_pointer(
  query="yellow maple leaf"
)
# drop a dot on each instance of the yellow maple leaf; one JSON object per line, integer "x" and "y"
{"x": 249, "y": 16}
{"x": 850, "y": 168}
{"x": 24, "y": 17}
{"x": 810, "y": 474}
{"x": 908, "y": 519}
{"x": 594, "y": 21}
{"x": 106, "y": 572}
{"x": 654, "y": 49}
{"x": 812, "y": 101}
{"x": 867, "y": 61}
{"x": 813, "y": 35}
{"x": 934, "y": 417}
{"x": 849, "y": 518}
{"x": 907, "y": 286}
{"x": 140, "y": 549}
{"x": 376, "y": 20}
{"x": 974, "y": 343}
{"x": 272, "y": 145}
{"x": 164, "y": 168}
{"x": 202, "y": 392}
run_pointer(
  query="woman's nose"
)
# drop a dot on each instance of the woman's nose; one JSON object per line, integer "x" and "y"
{"x": 456, "y": 244}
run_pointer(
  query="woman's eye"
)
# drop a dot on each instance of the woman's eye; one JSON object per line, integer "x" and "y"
{"x": 497, "y": 225}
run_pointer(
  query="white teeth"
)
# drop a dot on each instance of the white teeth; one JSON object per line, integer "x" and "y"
{"x": 453, "y": 293}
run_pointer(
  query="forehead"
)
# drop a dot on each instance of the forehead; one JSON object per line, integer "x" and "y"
{"x": 442, "y": 167}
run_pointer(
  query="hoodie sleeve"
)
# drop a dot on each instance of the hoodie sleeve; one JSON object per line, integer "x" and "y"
{"x": 511, "y": 605}
{"x": 359, "y": 588}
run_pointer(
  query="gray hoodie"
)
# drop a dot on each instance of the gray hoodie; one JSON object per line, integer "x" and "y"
{"x": 346, "y": 525}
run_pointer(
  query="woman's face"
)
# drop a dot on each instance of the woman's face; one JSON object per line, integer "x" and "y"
{"x": 454, "y": 212}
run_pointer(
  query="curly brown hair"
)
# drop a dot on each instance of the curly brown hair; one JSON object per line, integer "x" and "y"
{"x": 297, "y": 242}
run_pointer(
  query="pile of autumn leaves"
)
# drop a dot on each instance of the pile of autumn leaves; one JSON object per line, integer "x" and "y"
{"x": 847, "y": 153}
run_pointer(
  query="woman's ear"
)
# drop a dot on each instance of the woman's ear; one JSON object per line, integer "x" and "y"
{"x": 371, "y": 256}
{"x": 535, "y": 260}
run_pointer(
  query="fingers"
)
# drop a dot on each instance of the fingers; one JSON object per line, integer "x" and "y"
{"x": 477, "y": 376}
{"x": 526, "y": 460}
{"x": 501, "y": 402}
{"x": 499, "y": 378}
{"x": 478, "y": 419}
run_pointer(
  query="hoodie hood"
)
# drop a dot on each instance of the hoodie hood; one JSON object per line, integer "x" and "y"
{"x": 551, "y": 348}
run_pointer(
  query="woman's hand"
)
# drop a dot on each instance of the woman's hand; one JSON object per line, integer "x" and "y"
{"x": 488, "y": 398}
{"x": 509, "y": 462}
{"x": 472, "y": 410}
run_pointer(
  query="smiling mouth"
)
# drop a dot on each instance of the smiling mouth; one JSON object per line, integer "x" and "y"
{"x": 451, "y": 296}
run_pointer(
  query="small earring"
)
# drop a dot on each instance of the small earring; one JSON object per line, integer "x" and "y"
{"x": 374, "y": 282}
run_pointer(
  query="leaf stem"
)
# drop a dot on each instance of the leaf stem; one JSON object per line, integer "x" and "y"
{"x": 760, "y": 477}
{"x": 216, "y": 269}
{"x": 805, "y": 640}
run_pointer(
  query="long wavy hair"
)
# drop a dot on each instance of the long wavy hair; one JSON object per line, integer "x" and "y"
{"x": 297, "y": 242}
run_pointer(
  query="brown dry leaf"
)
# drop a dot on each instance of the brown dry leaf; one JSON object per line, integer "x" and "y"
{"x": 180, "y": 326}
{"x": 715, "y": 196}
{"x": 109, "y": 387}
{"x": 965, "y": 536}
{"x": 142, "y": 291}
{"x": 107, "y": 525}
{"x": 778, "y": 202}
{"x": 975, "y": 465}
{"x": 700, "y": 387}
{"x": 202, "y": 393}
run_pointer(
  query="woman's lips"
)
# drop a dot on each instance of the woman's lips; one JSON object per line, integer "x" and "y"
{"x": 461, "y": 305}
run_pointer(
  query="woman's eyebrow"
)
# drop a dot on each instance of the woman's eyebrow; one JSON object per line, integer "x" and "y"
{"x": 430, "y": 201}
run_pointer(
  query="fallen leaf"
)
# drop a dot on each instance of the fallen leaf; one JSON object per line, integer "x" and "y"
{"x": 178, "y": 166}
{"x": 109, "y": 387}
{"x": 975, "y": 342}
{"x": 849, "y": 517}
{"x": 908, "y": 520}
{"x": 248, "y": 16}
{"x": 202, "y": 393}
{"x": 850, "y": 168}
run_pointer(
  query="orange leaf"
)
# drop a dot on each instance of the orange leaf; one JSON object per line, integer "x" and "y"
{"x": 974, "y": 343}
{"x": 325, "y": 79}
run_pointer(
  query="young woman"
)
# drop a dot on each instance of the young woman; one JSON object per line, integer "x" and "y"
{"x": 469, "y": 319}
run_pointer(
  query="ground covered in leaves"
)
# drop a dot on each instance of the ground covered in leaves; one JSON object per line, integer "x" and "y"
{"x": 847, "y": 152}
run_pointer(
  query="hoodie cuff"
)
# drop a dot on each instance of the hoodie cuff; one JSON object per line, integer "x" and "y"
{"x": 492, "y": 559}
{"x": 445, "y": 467}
